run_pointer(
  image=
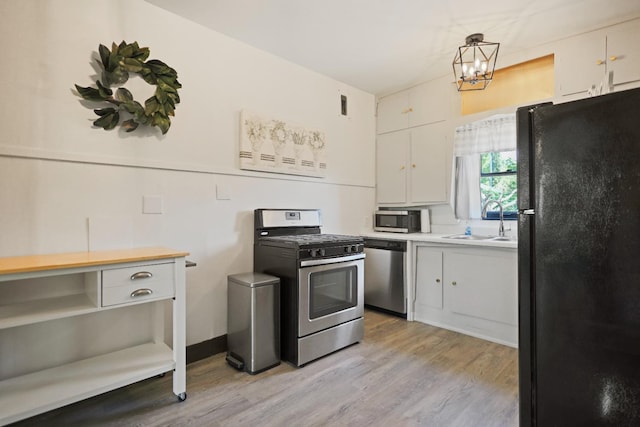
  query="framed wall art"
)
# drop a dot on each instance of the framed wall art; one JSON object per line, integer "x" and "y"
{"x": 273, "y": 145}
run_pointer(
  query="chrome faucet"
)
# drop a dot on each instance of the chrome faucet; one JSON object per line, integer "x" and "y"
{"x": 484, "y": 215}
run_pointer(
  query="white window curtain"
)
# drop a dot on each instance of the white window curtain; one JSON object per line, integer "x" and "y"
{"x": 495, "y": 133}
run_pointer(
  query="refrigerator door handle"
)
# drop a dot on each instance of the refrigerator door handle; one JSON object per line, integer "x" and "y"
{"x": 527, "y": 212}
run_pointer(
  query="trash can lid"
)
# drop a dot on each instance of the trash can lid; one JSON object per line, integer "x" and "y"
{"x": 253, "y": 279}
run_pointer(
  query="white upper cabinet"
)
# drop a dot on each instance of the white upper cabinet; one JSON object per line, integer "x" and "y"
{"x": 586, "y": 60}
{"x": 391, "y": 167}
{"x": 393, "y": 112}
{"x": 428, "y": 170}
{"x": 623, "y": 53}
{"x": 411, "y": 166}
{"x": 420, "y": 105}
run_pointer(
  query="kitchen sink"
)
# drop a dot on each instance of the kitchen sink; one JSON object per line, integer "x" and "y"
{"x": 478, "y": 237}
{"x": 501, "y": 239}
{"x": 467, "y": 237}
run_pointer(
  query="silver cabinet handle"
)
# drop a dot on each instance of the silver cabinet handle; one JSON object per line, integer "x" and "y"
{"x": 141, "y": 275}
{"x": 141, "y": 292}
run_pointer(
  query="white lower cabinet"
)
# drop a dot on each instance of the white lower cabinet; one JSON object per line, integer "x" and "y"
{"x": 429, "y": 277}
{"x": 472, "y": 290}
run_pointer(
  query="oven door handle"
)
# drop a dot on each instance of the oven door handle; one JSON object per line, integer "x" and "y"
{"x": 324, "y": 261}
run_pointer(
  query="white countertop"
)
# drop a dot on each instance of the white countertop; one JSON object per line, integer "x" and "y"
{"x": 439, "y": 239}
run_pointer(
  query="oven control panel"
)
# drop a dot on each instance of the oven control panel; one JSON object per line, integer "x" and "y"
{"x": 330, "y": 251}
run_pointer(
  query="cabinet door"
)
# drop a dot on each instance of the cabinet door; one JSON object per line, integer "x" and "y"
{"x": 482, "y": 284}
{"x": 391, "y": 167}
{"x": 580, "y": 63}
{"x": 393, "y": 112}
{"x": 428, "y": 164}
{"x": 430, "y": 102}
{"x": 429, "y": 276}
{"x": 623, "y": 56}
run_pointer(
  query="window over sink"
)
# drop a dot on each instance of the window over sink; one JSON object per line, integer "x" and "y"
{"x": 485, "y": 167}
{"x": 498, "y": 181}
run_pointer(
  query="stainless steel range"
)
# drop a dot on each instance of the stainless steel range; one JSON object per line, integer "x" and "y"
{"x": 321, "y": 281}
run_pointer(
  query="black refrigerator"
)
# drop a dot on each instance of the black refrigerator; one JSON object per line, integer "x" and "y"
{"x": 579, "y": 262}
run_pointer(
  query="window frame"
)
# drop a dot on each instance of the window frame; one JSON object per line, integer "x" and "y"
{"x": 494, "y": 215}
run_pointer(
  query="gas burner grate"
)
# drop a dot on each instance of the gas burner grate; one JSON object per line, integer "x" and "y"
{"x": 304, "y": 239}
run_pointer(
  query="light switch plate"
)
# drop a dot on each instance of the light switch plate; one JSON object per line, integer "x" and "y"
{"x": 152, "y": 205}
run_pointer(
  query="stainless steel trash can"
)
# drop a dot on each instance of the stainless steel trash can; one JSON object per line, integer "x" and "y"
{"x": 253, "y": 321}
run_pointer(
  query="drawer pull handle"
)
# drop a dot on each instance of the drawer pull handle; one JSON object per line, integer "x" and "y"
{"x": 141, "y": 292}
{"x": 141, "y": 275}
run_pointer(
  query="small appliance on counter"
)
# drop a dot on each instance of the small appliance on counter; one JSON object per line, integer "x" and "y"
{"x": 397, "y": 221}
{"x": 408, "y": 221}
{"x": 425, "y": 221}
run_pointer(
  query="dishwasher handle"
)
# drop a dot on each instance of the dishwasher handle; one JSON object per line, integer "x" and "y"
{"x": 389, "y": 245}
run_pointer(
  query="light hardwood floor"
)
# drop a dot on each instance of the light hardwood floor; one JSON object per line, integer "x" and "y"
{"x": 401, "y": 374}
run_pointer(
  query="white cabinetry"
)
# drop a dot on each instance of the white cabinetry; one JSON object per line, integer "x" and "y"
{"x": 411, "y": 166}
{"x": 422, "y": 104}
{"x": 392, "y": 155}
{"x": 585, "y": 61}
{"x": 482, "y": 284}
{"x": 469, "y": 290}
{"x": 76, "y": 325}
{"x": 429, "y": 276}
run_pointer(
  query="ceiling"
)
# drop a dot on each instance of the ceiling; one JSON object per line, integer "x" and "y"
{"x": 381, "y": 46}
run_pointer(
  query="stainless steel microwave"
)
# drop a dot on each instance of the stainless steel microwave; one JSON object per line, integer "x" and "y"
{"x": 397, "y": 221}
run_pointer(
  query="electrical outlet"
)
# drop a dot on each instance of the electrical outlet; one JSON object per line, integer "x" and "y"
{"x": 152, "y": 205}
{"x": 222, "y": 192}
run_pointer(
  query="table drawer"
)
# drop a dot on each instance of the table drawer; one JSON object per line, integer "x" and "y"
{"x": 138, "y": 283}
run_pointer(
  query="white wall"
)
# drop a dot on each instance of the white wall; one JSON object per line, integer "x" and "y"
{"x": 56, "y": 171}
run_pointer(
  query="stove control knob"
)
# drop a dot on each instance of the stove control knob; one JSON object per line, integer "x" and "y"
{"x": 347, "y": 249}
{"x": 316, "y": 252}
{"x": 354, "y": 248}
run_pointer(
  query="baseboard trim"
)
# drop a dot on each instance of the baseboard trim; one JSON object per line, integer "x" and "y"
{"x": 207, "y": 348}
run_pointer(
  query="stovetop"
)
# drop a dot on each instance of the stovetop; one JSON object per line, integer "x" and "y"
{"x": 307, "y": 246}
{"x": 296, "y": 234}
{"x": 302, "y": 240}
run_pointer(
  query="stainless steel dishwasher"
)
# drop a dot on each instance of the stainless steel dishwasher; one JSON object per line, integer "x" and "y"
{"x": 384, "y": 275}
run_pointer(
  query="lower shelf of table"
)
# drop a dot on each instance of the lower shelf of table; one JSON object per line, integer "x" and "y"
{"x": 31, "y": 394}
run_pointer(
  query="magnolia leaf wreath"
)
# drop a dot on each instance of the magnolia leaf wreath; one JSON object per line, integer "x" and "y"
{"x": 117, "y": 63}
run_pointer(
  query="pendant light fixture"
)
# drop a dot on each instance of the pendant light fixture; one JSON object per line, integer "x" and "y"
{"x": 475, "y": 63}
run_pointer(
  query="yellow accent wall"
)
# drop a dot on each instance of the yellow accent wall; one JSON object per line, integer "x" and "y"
{"x": 518, "y": 84}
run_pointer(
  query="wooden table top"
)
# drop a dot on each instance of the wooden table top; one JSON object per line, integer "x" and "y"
{"x": 30, "y": 263}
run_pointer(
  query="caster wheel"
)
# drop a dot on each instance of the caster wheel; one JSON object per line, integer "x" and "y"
{"x": 182, "y": 397}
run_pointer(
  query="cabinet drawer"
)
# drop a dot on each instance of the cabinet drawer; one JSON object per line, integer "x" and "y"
{"x": 139, "y": 283}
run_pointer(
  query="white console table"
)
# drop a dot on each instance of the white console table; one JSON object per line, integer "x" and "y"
{"x": 76, "y": 325}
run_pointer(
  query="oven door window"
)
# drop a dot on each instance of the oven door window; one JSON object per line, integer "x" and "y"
{"x": 332, "y": 290}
